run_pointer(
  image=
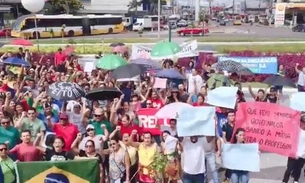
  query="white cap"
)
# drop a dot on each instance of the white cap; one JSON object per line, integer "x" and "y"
{"x": 90, "y": 126}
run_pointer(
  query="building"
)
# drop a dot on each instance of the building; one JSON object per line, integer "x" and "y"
{"x": 111, "y": 6}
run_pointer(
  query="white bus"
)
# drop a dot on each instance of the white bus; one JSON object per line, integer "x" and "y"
{"x": 66, "y": 25}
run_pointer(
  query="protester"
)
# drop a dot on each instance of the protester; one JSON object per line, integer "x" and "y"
{"x": 239, "y": 176}
{"x": 7, "y": 166}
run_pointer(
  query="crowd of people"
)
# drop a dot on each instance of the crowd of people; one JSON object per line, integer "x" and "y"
{"x": 36, "y": 127}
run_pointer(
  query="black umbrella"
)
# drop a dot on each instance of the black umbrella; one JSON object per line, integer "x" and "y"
{"x": 65, "y": 91}
{"x": 127, "y": 71}
{"x": 103, "y": 93}
{"x": 232, "y": 66}
{"x": 277, "y": 80}
{"x": 116, "y": 44}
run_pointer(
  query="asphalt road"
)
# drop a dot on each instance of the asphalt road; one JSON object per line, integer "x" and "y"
{"x": 272, "y": 165}
{"x": 243, "y": 31}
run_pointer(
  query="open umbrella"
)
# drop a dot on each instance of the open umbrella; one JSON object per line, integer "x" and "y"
{"x": 278, "y": 80}
{"x": 103, "y": 93}
{"x": 163, "y": 50}
{"x": 16, "y": 61}
{"x": 21, "y": 42}
{"x": 170, "y": 74}
{"x": 127, "y": 71}
{"x": 147, "y": 63}
{"x": 170, "y": 111}
{"x": 65, "y": 91}
{"x": 231, "y": 66}
{"x": 110, "y": 62}
{"x": 116, "y": 44}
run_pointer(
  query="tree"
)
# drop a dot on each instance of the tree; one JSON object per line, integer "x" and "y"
{"x": 63, "y": 6}
{"x": 154, "y": 5}
{"x": 133, "y": 5}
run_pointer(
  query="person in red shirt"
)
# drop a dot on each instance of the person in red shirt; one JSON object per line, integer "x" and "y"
{"x": 64, "y": 129}
{"x": 156, "y": 100}
{"x": 127, "y": 126}
{"x": 60, "y": 58}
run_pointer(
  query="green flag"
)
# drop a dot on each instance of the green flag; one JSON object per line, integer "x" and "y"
{"x": 76, "y": 171}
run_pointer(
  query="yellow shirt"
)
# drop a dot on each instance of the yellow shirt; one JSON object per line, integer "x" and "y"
{"x": 146, "y": 155}
{"x": 132, "y": 152}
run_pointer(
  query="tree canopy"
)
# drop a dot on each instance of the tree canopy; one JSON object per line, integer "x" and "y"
{"x": 63, "y": 6}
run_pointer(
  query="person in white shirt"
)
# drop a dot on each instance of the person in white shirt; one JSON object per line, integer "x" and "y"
{"x": 301, "y": 78}
{"x": 194, "y": 82}
{"x": 193, "y": 160}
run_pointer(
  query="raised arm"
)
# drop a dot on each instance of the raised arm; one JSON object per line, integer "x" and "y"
{"x": 133, "y": 143}
{"x": 74, "y": 145}
{"x": 38, "y": 141}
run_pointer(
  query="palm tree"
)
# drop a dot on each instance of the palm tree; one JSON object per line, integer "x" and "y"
{"x": 133, "y": 5}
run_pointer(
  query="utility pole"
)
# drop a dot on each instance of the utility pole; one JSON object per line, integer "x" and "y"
{"x": 159, "y": 16}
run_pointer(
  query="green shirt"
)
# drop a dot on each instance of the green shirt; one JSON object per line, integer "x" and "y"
{"x": 8, "y": 170}
{"x": 10, "y": 134}
{"x": 97, "y": 126}
{"x": 34, "y": 127}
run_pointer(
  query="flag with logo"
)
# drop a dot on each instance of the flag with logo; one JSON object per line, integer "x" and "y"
{"x": 76, "y": 171}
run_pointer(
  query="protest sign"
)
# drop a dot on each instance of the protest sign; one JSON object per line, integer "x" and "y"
{"x": 149, "y": 122}
{"x": 274, "y": 127}
{"x": 297, "y": 101}
{"x": 186, "y": 47}
{"x": 194, "y": 121}
{"x": 223, "y": 97}
{"x": 301, "y": 144}
{"x": 160, "y": 83}
{"x": 233, "y": 153}
{"x": 258, "y": 65}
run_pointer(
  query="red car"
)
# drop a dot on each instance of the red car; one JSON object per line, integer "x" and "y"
{"x": 5, "y": 32}
{"x": 193, "y": 31}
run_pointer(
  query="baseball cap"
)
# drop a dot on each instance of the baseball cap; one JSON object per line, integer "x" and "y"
{"x": 90, "y": 126}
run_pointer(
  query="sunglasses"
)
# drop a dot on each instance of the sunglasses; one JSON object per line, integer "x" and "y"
{"x": 5, "y": 123}
{"x": 90, "y": 129}
{"x": 63, "y": 118}
{"x": 148, "y": 103}
{"x": 3, "y": 149}
{"x": 98, "y": 115}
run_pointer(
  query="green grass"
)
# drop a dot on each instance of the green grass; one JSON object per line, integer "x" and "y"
{"x": 287, "y": 48}
{"x": 93, "y": 49}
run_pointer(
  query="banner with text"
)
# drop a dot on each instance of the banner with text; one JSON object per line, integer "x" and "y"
{"x": 149, "y": 122}
{"x": 186, "y": 47}
{"x": 258, "y": 65}
{"x": 274, "y": 127}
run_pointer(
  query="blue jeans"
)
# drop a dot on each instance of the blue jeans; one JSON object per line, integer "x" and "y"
{"x": 239, "y": 176}
{"x": 190, "y": 178}
{"x": 210, "y": 159}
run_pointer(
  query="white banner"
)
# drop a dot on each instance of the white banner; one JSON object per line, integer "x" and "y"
{"x": 187, "y": 47}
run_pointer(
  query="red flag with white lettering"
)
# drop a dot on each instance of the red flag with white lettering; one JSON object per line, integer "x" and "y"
{"x": 149, "y": 122}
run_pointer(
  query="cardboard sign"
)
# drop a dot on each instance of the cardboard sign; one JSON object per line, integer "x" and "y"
{"x": 274, "y": 127}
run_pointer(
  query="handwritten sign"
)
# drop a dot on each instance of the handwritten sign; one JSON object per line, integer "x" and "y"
{"x": 149, "y": 122}
{"x": 258, "y": 65}
{"x": 275, "y": 128}
{"x": 160, "y": 83}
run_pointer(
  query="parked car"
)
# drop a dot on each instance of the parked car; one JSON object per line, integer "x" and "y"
{"x": 222, "y": 22}
{"x": 199, "y": 31}
{"x": 6, "y": 32}
{"x": 299, "y": 28}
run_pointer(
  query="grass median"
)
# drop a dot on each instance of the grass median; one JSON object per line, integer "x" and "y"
{"x": 93, "y": 49}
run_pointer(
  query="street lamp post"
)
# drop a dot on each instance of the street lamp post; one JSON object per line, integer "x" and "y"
{"x": 34, "y": 6}
{"x": 159, "y": 16}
